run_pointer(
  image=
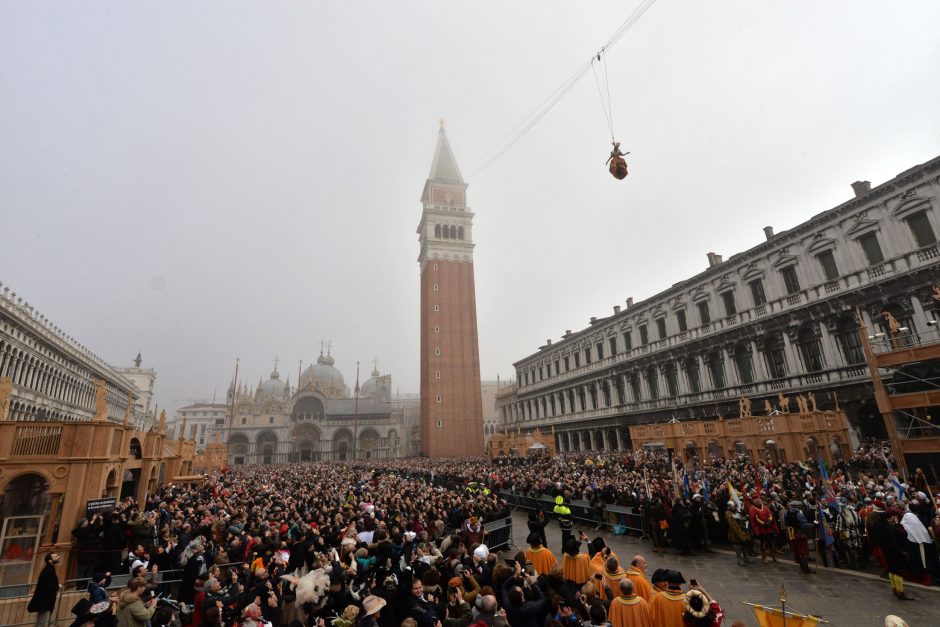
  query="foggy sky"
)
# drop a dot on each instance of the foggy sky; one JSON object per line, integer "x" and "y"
{"x": 202, "y": 181}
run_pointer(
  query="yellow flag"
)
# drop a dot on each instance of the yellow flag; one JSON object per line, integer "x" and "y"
{"x": 772, "y": 617}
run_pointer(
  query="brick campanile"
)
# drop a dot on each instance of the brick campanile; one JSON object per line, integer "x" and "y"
{"x": 451, "y": 397}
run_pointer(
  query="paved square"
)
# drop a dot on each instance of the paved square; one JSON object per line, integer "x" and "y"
{"x": 842, "y": 599}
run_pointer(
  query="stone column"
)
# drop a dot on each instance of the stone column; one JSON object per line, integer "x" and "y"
{"x": 828, "y": 346}
{"x": 682, "y": 385}
{"x": 920, "y": 316}
{"x": 757, "y": 361}
{"x": 731, "y": 369}
{"x": 793, "y": 360}
{"x": 605, "y": 439}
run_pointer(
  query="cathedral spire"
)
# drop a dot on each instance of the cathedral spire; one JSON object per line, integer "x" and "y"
{"x": 444, "y": 167}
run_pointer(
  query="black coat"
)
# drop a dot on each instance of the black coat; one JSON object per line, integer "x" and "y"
{"x": 47, "y": 589}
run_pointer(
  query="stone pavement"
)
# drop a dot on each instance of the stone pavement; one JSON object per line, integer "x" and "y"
{"x": 841, "y": 597}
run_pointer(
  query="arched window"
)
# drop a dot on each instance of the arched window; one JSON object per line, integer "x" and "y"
{"x": 672, "y": 379}
{"x": 437, "y": 230}
{"x": 459, "y": 232}
{"x": 652, "y": 381}
{"x": 26, "y": 495}
{"x": 775, "y": 358}
{"x": 453, "y": 232}
{"x": 692, "y": 373}
{"x": 849, "y": 342}
{"x": 592, "y": 391}
{"x": 445, "y": 231}
{"x": 810, "y": 350}
{"x": 635, "y": 386}
{"x": 716, "y": 368}
{"x": 742, "y": 359}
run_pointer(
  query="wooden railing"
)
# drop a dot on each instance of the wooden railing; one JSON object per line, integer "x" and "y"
{"x": 33, "y": 440}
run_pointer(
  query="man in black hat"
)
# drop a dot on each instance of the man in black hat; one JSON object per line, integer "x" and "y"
{"x": 668, "y": 606}
{"x": 658, "y": 579}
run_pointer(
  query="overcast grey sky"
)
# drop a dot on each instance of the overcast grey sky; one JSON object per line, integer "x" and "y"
{"x": 206, "y": 180}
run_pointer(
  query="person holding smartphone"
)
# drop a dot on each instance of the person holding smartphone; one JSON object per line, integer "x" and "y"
{"x": 700, "y": 609}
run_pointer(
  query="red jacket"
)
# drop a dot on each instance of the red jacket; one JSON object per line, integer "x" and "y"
{"x": 197, "y": 611}
{"x": 762, "y": 521}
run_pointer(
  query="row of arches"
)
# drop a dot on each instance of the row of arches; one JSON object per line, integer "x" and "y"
{"x": 307, "y": 444}
{"x": 835, "y": 449}
{"x": 818, "y": 345}
{"x": 35, "y": 373}
{"x": 445, "y": 231}
{"x": 810, "y": 348}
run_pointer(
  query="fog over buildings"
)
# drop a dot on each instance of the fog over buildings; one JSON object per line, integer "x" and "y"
{"x": 212, "y": 181}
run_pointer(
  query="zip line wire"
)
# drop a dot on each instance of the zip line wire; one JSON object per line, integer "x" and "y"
{"x": 605, "y": 105}
{"x": 525, "y": 125}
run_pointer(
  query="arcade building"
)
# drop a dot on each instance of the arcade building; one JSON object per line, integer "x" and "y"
{"x": 75, "y": 433}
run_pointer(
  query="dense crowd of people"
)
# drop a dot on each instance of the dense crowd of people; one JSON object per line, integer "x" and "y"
{"x": 402, "y": 544}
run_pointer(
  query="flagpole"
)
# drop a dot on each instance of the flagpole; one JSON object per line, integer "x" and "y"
{"x": 356, "y": 418}
{"x": 231, "y": 416}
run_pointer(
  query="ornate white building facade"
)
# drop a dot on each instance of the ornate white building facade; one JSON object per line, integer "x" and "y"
{"x": 776, "y": 319}
{"x": 54, "y": 377}
{"x": 319, "y": 420}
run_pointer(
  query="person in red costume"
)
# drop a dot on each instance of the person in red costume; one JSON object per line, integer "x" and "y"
{"x": 764, "y": 527}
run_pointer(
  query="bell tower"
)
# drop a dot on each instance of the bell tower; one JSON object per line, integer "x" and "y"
{"x": 451, "y": 397}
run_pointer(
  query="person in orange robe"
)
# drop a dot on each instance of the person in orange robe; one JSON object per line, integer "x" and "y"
{"x": 542, "y": 558}
{"x": 668, "y": 606}
{"x": 611, "y": 579}
{"x": 600, "y": 552}
{"x": 637, "y": 574}
{"x": 629, "y": 610}
{"x": 575, "y": 564}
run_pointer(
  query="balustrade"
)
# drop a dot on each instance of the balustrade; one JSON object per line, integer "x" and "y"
{"x": 35, "y": 440}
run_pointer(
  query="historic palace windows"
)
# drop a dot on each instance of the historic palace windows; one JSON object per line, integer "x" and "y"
{"x": 704, "y": 315}
{"x": 871, "y": 248}
{"x": 757, "y": 292}
{"x": 727, "y": 298}
{"x": 791, "y": 282}
{"x": 827, "y": 263}
{"x": 921, "y": 230}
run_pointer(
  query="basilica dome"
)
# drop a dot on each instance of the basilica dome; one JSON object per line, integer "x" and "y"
{"x": 324, "y": 377}
{"x": 273, "y": 386}
{"x": 370, "y": 389}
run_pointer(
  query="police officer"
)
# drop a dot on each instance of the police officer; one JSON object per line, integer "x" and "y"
{"x": 564, "y": 519}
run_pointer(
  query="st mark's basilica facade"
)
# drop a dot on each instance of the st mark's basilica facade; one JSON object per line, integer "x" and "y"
{"x": 319, "y": 420}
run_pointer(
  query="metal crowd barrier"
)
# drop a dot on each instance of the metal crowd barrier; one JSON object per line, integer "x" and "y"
{"x": 581, "y": 511}
{"x": 14, "y": 599}
{"x": 498, "y": 534}
{"x": 629, "y": 518}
